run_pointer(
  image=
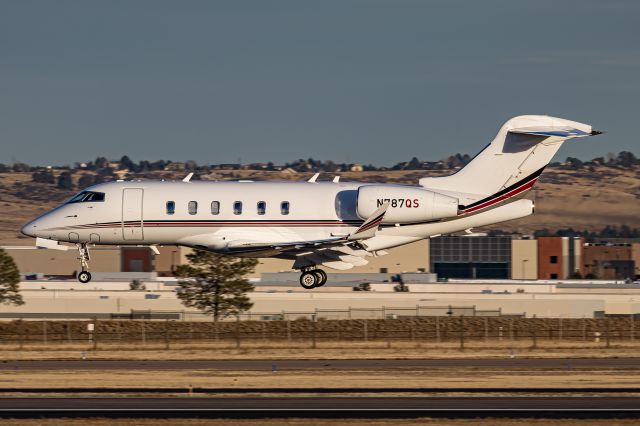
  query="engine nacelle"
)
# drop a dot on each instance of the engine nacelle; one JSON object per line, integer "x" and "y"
{"x": 406, "y": 204}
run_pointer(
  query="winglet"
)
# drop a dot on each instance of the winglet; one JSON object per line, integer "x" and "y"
{"x": 314, "y": 178}
{"x": 188, "y": 177}
{"x": 370, "y": 226}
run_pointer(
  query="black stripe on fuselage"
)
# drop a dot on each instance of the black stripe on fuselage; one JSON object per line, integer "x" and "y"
{"x": 510, "y": 188}
{"x": 213, "y": 223}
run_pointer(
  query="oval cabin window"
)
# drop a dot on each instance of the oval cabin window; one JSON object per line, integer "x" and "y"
{"x": 215, "y": 207}
{"x": 193, "y": 207}
{"x": 284, "y": 208}
{"x": 171, "y": 207}
{"x": 262, "y": 207}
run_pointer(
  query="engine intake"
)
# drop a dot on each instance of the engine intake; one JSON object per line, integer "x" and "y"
{"x": 407, "y": 204}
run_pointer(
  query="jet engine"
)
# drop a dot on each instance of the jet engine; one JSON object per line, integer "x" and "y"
{"x": 406, "y": 204}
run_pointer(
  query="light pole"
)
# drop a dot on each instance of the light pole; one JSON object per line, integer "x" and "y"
{"x": 523, "y": 267}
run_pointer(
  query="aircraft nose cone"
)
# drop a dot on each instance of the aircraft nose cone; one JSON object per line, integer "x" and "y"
{"x": 29, "y": 229}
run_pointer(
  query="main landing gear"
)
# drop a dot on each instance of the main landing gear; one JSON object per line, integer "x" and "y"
{"x": 313, "y": 278}
{"x": 84, "y": 276}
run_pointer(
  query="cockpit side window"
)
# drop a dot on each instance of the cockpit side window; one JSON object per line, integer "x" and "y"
{"x": 87, "y": 196}
{"x": 94, "y": 196}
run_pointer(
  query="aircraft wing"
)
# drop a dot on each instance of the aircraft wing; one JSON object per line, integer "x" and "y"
{"x": 335, "y": 253}
{"x": 239, "y": 247}
{"x": 338, "y": 252}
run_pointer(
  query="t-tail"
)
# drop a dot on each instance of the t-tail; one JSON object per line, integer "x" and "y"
{"x": 511, "y": 163}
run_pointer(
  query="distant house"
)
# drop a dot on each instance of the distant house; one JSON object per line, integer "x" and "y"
{"x": 356, "y": 168}
{"x": 230, "y": 166}
{"x": 258, "y": 166}
{"x": 121, "y": 174}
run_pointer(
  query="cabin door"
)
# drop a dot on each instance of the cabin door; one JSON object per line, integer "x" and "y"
{"x": 132, "y": 214}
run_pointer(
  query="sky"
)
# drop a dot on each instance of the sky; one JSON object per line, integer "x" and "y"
{"x": 365, "y": 81}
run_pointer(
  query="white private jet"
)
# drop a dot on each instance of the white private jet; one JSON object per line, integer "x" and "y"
{"x": 332, "y": 224}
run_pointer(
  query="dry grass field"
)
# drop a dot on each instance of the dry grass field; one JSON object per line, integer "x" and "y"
{"x": 580, "y": 199}
{"x": 326, "y": 378}
{"x": 326, "y": 350}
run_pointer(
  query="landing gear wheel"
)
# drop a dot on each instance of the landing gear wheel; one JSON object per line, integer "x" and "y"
{"x": 84, "y": 276}
{"x": 322, "y": 277}
{"x": 309, "y": 280}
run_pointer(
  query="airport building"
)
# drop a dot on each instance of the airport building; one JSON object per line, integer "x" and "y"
{"x": 611, "y": 262}
{"x": 471, "y": 257}
{"x": 449, "y": 257}
{"x": 560, "y": 257}
{"x": 475, "y": 275}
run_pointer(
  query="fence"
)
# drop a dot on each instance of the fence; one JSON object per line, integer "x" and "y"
{"x": 305, "y": 333}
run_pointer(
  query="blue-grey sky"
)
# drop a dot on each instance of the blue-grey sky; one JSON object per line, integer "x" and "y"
{"x": 359, "y": 81}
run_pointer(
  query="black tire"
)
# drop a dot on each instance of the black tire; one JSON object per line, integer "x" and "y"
{"x": 84, "y": 277}
{"x": 322, "y": 277}
{"x": 308, "y": 280}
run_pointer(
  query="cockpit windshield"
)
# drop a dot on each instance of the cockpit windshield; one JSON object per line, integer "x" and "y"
{"x": 87, "y": 196}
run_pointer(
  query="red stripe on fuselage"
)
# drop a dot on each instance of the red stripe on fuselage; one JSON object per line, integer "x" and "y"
{"x": 503, "y": 197}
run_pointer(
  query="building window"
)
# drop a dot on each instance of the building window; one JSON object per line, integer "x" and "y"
{"x": 237, "y": 207}
{"x": 553, "y": 259}
{"x": 215, "y": 207}
{"x": 171, "y": 207}
{"x": 554, "y": 276}
{"x": 192, "y": 207}
{"x": 284, "y": 208}
{"x": 262, "y": 207}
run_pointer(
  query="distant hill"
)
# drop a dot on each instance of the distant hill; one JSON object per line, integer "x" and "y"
{"x": 581, "y": 196}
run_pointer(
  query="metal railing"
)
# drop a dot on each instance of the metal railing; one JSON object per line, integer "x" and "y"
{"x": 460, "y": 330}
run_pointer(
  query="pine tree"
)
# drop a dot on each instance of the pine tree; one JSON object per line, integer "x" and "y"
{"x": 9, "y": 281}
{"x": 65, "y": 181}
{"x": 215, "y": 283}
{"x": 86, "y": 180}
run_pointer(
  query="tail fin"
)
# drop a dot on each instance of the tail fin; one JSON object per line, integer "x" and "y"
{"x": 512, "y": 162}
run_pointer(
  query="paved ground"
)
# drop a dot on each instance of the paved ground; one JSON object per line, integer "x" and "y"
{"x": 355, "y": 364}
{"x": 164, "y": 404}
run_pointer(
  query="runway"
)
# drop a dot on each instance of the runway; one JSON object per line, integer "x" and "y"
{"x": 345, "y": 402}
{"x": 321, "y": 406}
{"x": 344, "y": 364}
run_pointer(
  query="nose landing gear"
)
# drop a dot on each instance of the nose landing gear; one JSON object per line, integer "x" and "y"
{"x": 313, "y": 278}
{"x": 84, "y": 276}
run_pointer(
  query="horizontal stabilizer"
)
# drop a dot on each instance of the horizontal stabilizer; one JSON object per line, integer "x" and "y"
{"x": 548, "y": 131}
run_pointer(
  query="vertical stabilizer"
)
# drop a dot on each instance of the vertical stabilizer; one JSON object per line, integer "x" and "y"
{"x": 512, "y": 162}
